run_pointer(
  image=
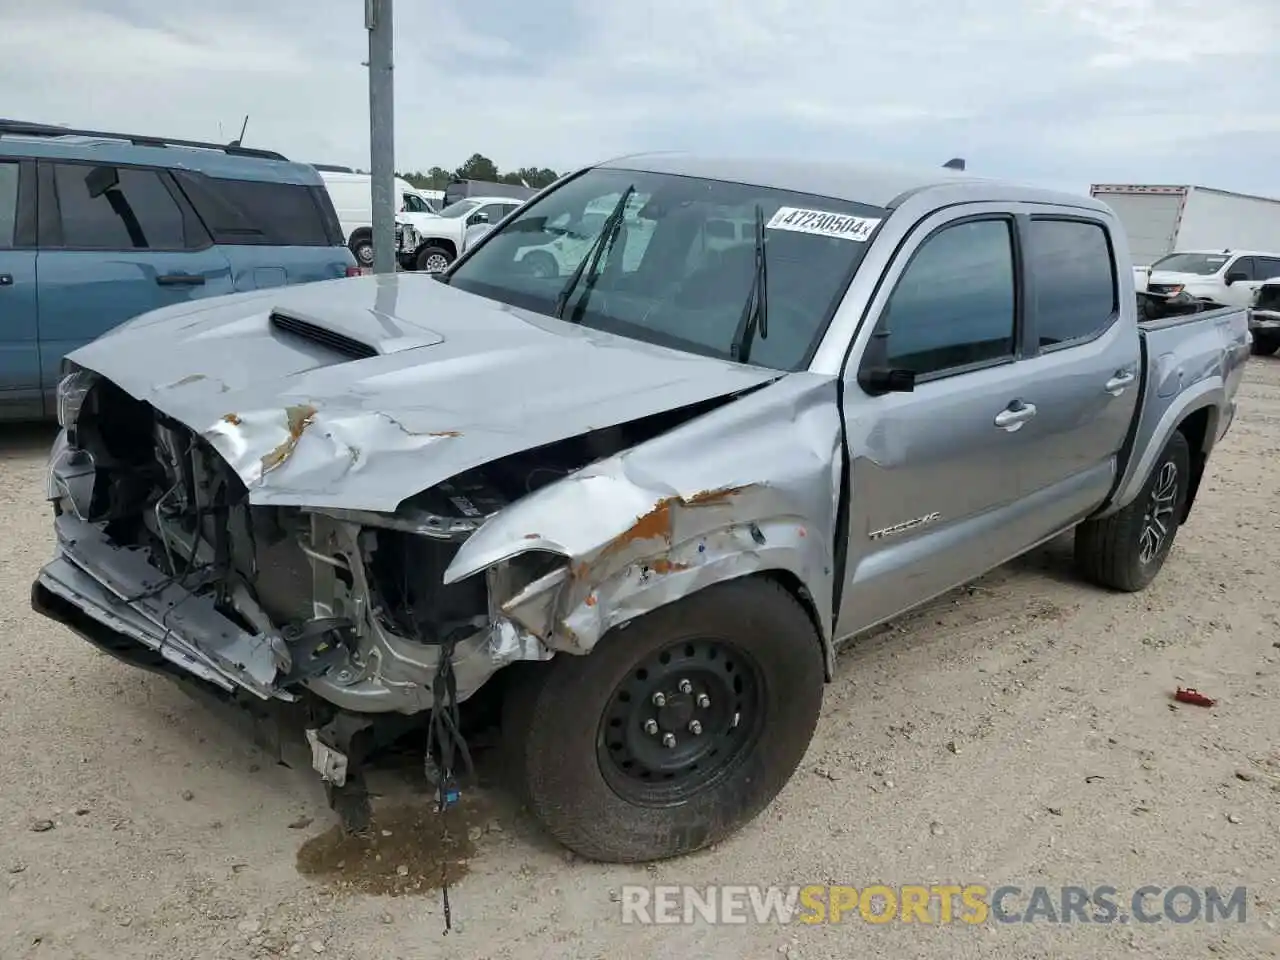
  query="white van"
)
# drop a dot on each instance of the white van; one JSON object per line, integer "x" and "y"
{"x": 352, "y": 195}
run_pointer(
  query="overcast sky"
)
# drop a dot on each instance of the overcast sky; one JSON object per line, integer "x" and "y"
{"x": 1063, "y": 92}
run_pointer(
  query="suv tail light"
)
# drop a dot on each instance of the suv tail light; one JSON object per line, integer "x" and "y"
{"x": 353, "y": 271}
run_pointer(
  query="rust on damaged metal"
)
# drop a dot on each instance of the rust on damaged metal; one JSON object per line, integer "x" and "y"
{"x": 299, "y": 417}
{"x": 657, "y": 523}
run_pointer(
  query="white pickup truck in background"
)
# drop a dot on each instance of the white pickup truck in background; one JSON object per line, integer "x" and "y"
{"x": 1228, "y": 277}
{"x": 432, "y": 241}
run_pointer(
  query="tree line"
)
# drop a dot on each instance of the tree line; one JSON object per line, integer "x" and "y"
{"x": 478, "y": 167}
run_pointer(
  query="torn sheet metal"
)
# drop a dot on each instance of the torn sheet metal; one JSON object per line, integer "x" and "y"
{"x": 388, "y": 672}
{"x": 749, "y": 487}
{"x": 168, "y": 617}
{"x": 303, "y": 425}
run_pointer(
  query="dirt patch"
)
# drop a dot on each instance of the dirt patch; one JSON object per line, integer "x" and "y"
{"x": 408, "y": 850}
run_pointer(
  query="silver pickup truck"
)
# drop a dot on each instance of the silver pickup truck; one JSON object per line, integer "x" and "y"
{"x": 640, "y": 503}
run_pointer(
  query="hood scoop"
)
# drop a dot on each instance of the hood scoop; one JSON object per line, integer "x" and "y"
{"x": 304, "y": 329}
{"x": 356, "y": 334}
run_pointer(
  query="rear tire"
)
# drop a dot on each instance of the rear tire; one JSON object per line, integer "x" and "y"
{"x": 434, "y": 259}
{"x": 1126, "y": 550}
{"x": 1264, "y": 346}
{"x": 617, "y": 776}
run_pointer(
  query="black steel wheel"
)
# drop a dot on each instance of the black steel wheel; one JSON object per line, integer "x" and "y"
{"x": 677, "y": 729}
{"x": 679, "y": 721}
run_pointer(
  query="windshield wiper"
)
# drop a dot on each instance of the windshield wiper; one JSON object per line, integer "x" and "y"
{"x": 755, "y": 312}
{"x": 608, "y": 230}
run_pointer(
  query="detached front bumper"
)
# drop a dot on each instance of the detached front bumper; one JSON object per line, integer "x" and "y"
{"x": 116, "y": 599}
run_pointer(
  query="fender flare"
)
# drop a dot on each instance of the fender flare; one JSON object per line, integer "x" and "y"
{"x": 1209, "y": 393}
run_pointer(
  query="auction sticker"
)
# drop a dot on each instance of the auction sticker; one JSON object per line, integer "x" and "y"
{"x": 823, "y": 223}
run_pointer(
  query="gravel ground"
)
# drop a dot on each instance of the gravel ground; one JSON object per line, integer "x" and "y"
{"x": 1017, "y": 731}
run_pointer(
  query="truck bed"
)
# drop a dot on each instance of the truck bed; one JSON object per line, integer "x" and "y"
{"x": 1189, "y": 362}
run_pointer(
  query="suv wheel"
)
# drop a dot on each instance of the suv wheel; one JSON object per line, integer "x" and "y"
{"x": 362, "y": 250}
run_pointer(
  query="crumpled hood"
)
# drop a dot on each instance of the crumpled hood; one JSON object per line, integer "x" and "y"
{"x": 457, "y": 381}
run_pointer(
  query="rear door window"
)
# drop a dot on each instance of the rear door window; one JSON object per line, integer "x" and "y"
{"x": 8, "y": 203}
{"x": 1266, "y": 268}
{"x": 1074, "y": 277}
{"x": 119, "y": 208}
{"x": 258, "y": 212}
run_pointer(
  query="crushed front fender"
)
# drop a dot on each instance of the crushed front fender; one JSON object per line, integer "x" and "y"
{"x": 751, "y": 487}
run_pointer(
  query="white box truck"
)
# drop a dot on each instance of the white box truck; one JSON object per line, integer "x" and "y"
{"x": 1165, "y": 219}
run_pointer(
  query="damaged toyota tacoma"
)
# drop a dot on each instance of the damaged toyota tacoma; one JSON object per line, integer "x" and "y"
{"x": 645, "y": 494}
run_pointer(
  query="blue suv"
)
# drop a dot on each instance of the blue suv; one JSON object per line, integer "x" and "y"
{"x": 96, "y": 228}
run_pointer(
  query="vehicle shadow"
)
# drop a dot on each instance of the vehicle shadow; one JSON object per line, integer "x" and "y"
{"x": 26, "y": 439}
{"x": 1053, "y": 560}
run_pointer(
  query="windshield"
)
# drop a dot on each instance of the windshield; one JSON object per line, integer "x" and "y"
{"x": 1204, "y": 264}
{"x": 681, "y": 265}
{"x": 458, "y": 209}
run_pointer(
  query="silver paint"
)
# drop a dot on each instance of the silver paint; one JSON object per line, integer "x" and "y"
{"x": 753, "y": 486}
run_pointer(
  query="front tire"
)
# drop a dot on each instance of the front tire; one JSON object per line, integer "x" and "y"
{"x": 676, "y": 730}
{"x": 1126, "y": 550}
{"x": 434, "y": 259}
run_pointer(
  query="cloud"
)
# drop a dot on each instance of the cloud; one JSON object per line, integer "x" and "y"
{"x": 1057, "y": 91}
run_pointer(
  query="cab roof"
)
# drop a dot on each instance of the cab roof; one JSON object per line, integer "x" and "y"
{"x": 885, "y": 187}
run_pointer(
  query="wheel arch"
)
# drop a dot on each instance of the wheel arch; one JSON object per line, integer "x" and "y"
{"x": 791, "y": 583}
{"x": 1200, "y": 428}
{"x": 1196, "y": 414}
{"x": 443, "y": 242}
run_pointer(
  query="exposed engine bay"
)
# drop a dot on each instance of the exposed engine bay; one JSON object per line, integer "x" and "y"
{"x": 348, "y": 604}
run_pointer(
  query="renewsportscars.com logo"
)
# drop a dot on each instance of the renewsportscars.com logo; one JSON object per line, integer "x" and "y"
{"x": 972, "y": 904}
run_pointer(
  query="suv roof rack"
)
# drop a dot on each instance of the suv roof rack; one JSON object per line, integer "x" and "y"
{"x": 27, "y": 129}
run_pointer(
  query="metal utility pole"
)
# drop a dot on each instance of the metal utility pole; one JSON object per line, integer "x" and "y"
{"x": 382, "y": 135}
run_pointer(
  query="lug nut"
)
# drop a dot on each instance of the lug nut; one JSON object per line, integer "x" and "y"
{"x": 695, "y": 728}
{"x": 668, "y": 740}
{"x": 686, "y": 686}
{"x": 704, "y": 701}
{"x": 659, "y": 700}
{"x": 651, "y": 727}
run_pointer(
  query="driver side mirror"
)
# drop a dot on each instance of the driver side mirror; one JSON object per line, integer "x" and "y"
{"x": 477, "y": 218}
{"x": 875, "y": 376}
{"x": 881, "y": 380}
{"x": 1234, "y": 276}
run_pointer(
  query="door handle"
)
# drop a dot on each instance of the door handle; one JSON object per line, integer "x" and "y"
{"x": 181, "y": 280}
{"x": 6, "y": 279}
{"x": 1117, "y": 384}
{"x": 1015, "y": 415}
